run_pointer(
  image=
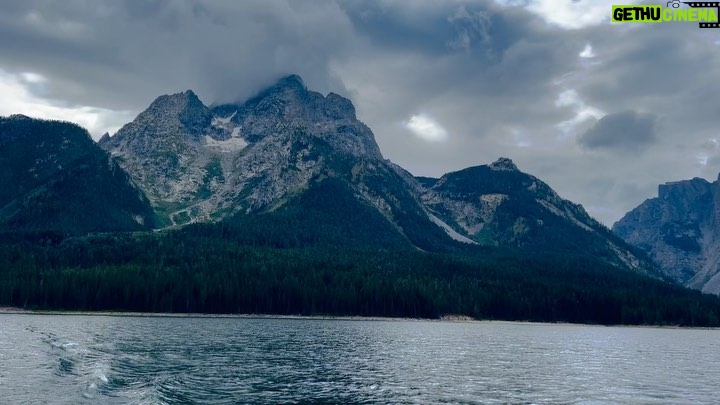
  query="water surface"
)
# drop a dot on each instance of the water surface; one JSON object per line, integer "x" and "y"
{"x": 156, "y": 360}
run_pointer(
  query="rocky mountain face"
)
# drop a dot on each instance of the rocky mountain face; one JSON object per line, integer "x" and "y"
{"x": 280, "y": 151}
{"x": 164, "y": 150}
{"x": 499, "y": 205}
{"x": 56, "y": 178}
{"x": 680, "y": 230}
{"x": 198, "y": 164}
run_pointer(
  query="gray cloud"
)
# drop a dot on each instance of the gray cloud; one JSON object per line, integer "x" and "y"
{"x": 623, "y": 131}
{"x": 122, "y": 54}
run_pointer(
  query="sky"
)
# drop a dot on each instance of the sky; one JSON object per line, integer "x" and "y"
{"x": 602, "y": 112}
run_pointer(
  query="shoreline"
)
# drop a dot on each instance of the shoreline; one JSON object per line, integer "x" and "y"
{"x": 129, "y": 314}
{"x": 446, "y": 318}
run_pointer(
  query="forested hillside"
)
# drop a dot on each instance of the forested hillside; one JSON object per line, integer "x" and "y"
{"x": 54, "y": 177}
{"x": 323, "y": 263}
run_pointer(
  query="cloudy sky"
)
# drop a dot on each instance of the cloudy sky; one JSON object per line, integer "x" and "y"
{"x": 602, "y": 112}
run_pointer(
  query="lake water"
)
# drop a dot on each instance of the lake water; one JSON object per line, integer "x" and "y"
{"x": 156, "y": 360}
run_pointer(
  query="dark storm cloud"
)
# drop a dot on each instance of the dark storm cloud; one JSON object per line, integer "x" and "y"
{"x": 623, "y": 131}
{"x": 435, "y": 28}
{"x": 671, "y": 69}
{"x": 121, "y": 54}
{"x": 502, "y": 73}
{"x": 480, "y": 31}
{"x": 677, "y": 51}
{"x": 494, "y": 97}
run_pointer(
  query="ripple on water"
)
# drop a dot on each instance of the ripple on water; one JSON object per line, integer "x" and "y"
{"x": 79, "y": 359}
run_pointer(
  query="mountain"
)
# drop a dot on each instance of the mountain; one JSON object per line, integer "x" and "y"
{"x": 200, "y": 164}
{"x": 498, "y": 205}
{"x": 56, "y": 178}
{"x": 164, "y": 147}
{"x": 680, "y": 230}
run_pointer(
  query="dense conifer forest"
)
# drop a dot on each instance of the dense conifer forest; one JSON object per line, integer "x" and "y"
{"x": 284, "y": 263}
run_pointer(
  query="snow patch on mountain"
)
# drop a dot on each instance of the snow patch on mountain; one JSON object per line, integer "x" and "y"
{"x": 233, "y": 144}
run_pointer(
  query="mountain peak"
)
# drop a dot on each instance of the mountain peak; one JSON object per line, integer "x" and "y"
{"x": 678, "y": 229}
{"x": 503, "y": 164}
{"x": 176, "y": 101}
{"x": 684, "y": 189}
{"x": 288, "y": 87}
{"x": 185, "y": 107}
{"x": 19, "y": 117}
{"x": 290, "y": 105}
{"x": 292, "y": 80}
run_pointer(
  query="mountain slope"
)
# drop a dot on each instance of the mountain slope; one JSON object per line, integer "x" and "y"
{"x": 498, "y": 205}
{"x": 55, "y": 177}
{"x": 255, "y": 156}
{"x": 164, "y": 146}
{"x": 200, "y": 164}
{"x": 680, "y": 230}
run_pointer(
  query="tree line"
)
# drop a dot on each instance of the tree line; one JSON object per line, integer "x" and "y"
{"x": 203, "y": 268}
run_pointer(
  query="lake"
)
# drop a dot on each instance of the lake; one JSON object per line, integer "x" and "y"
{"x": 69, "y": 359}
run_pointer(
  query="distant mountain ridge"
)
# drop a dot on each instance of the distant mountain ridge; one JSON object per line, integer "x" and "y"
{"x": 499, "y": 205}
{"x": 198, "y": 164}
{"x": 680, "y": 230}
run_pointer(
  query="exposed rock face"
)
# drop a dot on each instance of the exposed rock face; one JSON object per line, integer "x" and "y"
{"x": 680, "y": 230}
{"x": 163, "y": 149}
{"x": 290, "y": 105}
{"x": 503, "y": 164}
{"x": 197, "y": 164}
{"x": 200, "y": 164}
{"x": 499, "y": 205}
